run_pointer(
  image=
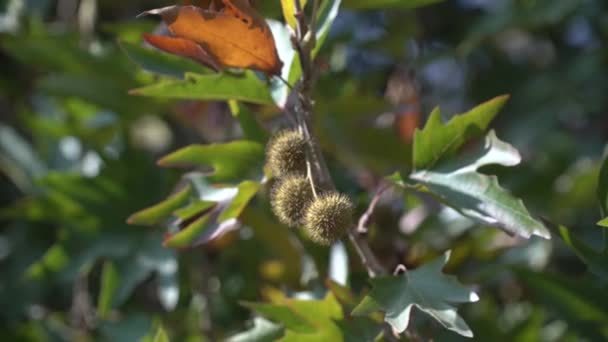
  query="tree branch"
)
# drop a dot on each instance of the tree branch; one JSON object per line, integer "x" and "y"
{"x": 304, "y": 42}
{"x": 366, "y": 217}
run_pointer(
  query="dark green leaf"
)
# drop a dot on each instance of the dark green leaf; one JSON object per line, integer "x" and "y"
{"x": 426, "y": 288}
{"x": 578, "y": 302}
{"x": 274, "y": 238}
{"x": 161, "y": 63}
{"x": 132, "y": 328}
{"x": 18, "y": 159}
{"x": 597, "y": 261}
{"x": 95, "y": 89}
{"x": 377, "y": 4}
{"x": 252, "y": 130}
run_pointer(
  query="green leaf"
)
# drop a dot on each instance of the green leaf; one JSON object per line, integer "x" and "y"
{"x": 155, "y": 214}
{"x": 603, "y": 223}
{"x": 132, "y": 327}
{"x": 109, "y": 284}
{"x": 289, "y": 11}
{"x": 262, "y": 331}
{"x": 246, "y": 191}
{"x": 305, "y": 320}
{"x": 95, "y": 89}
{"x": 18, "y": 160}
{"x": 576, "y": 301}
{"x": 328, "y": 11}
{"x": 246, "y": 87}
{"x": 438, "y": 140}
{"x": 54, "y": 259}
{"x": 276, "y": 239}
{"x": 194, "y": 208}
{"x": 252, "y": 130}
{"x": 161, "y": 335}
{"x": 479, "y": 196}
{"x": 230, "y": 203}
{"x": 426, "y": 288}
{"x": 190, "y": 235}
{"x": 161, "y": 63}
{"x": 377, "y": 4}
{"x": 596, "y": 261}
{"x": 230, "y": 161}
{"x": 291, "y": 70}
{"x": 602, "y": 191}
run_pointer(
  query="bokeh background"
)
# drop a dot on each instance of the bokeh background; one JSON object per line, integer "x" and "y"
{"x": 78, "y": 153}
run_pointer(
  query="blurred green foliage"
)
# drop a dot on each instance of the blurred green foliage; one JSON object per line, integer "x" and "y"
{"x": 86, "y": 110}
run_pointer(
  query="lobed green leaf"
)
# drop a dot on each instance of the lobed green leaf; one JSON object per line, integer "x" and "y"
{"x": 231, "y": 161}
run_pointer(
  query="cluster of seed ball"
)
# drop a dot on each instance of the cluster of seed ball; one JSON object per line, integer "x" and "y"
{"x": 326, "y": 218}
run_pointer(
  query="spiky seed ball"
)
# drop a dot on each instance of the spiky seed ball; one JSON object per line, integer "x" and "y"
{"x": 290, "y": 197}
{"x": 328, "y": 218}
{"x": 286, "y": 153}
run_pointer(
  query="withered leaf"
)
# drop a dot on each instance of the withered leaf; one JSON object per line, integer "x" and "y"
{"x": 183, "y": 47}
{"x": 236, "y": 36}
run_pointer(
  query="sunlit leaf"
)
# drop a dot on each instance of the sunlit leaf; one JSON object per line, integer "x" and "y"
{"x": 192, "y": 209}
{"x": 222, "y": 218}
{"x": 291, "y": 71}
{"x": 109, "y": 284}
{"x": 161, "y": 335}
{"x": 602, "y": 190}
{"x": 155, "y": 214}
{"x": 438, "y": 140}
{"x": 289, "y": 11}
{"x": 479, "y": 196}
{"x": 237, "y": 37}
{"x": 425, "y": 288}
{"x": 230, "y": 162}
{"x": 262, "y": 331}
{"x": 246, "y": 191}
{"x": 246, "y": 87}
{"x": 305, "y": 320}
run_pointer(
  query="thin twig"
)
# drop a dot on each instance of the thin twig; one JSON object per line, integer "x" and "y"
{"x": 82, "y": 312}
{"x": 366, "y": 217}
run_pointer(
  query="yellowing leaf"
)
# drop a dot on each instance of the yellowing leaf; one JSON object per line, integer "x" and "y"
{"x": 289, "y": 11}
